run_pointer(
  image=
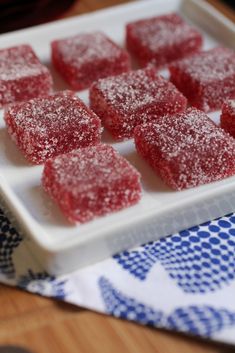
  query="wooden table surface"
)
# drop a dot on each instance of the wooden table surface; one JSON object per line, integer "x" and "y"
{"x": 43, "y": 325}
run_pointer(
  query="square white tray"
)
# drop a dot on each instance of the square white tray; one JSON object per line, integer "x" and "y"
{"x": 62, "y": 247}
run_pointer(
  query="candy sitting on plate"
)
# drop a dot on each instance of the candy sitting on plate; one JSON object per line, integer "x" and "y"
{"x": 125, "y": 101}
{"x": 22, "y": 75}
{"x": 91, "y": 182}
{"x": 84, "y": 58}
{"x": 162, "y": 39}
{"x": 48, "y": 126}
{"x": 187, "y": 149}
{"x": 206, "y": 78}
{"x": 227, "y": 118}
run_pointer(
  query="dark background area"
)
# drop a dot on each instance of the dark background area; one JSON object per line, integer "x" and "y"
{"x": 230, "y": 3}
{"x": 16, "y": 14}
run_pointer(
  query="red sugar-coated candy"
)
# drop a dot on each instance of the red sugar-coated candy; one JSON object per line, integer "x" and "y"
{"x": 206, "y": 78}
{"x": 22, "y": 76}
{"x": 187, "y": 149}
{"x": 162, "y": 39}
{"x": 91, "y": 182}
{"x": 85, "y": 58}
{"x": 227, "y": 118}
{"x": 125, "y": 101}
{"x": 48, "y": 126}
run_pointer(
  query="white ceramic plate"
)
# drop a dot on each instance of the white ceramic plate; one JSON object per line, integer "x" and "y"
{"x": 62, "y": 247}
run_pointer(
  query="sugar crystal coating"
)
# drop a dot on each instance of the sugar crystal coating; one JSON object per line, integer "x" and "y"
{"x": 206, "y": 78}
{"x": 86, "y": 57}
{"x": 187, "y": 149}
{"x": 227, "y": 118}
{"x": 127, "y": 100}
{"x": 48, "y": 126}
{"x": 162, "y": 38}
{"x": 22, "y": 76}
{"x": 91, "y": 182}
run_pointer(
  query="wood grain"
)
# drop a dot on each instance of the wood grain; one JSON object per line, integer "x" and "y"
{"x": 44, "y": 325}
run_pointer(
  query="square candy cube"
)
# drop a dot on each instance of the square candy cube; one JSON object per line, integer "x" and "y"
{"x": 130, "y": 99}
{"x": 85, "y": 58}
{"x": 227, "y": 118}
{"x": 206, "y": 78}
{"x": 187, "y": 149}
{"x": 162, "y": 39}
{"x": 48, "y": 126}
{"x": 22, "y": 76}
{"x": 91, "y": 182}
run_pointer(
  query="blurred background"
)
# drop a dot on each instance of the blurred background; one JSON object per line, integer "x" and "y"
{"x": 17, "y": 14}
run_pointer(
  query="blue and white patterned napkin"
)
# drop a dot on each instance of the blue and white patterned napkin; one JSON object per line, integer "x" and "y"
{"x": 185, "y": 282}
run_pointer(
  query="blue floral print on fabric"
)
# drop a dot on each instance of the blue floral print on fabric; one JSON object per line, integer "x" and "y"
{"x": 202, "y": 320}
{"x": 9, "y": 241}
{"x": 42, "y": 283}
{"x": 200, "y": 259}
